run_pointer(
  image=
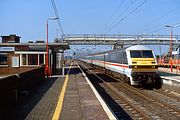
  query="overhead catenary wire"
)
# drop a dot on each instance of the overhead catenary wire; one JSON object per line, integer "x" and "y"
{"x": 160, "y": 29}
{"x": 155, "y": 31}
{"x": 131, "y": 12}
{"x": 54, "y": 8}
{"x": 117, "y": 18}
{"x": 154, "y": 21}
{"x": 115, "y": 11}
{"x": 57, "y": 15}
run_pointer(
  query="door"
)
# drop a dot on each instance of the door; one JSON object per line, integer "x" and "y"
{"x": 15, "y": 61}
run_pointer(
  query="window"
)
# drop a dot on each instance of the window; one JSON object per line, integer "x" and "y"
{"x": 41, "y": 59}
{"x": 141, "y": 54}
{"x": 125, "y": 58}
{"x": 33, "y": 59}
{"x": 136, "y": 54}
{"x": 23, "y": 59}
{"x": 3, "y": 59}
{"x": 147, "y": 54}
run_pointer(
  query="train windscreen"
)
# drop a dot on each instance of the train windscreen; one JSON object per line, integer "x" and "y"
{"x": 141, "y": 54}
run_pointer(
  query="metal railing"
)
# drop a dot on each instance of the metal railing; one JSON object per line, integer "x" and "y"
{"x": 111, "y": 39}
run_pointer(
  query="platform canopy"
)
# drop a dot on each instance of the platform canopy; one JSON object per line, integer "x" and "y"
{"x": 39, "y": 46}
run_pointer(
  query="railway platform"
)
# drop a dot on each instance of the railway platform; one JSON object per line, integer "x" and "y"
{"x": 70, "y": 97}
{"x": 165, "y": 72}
{"x": 170, "y": 78}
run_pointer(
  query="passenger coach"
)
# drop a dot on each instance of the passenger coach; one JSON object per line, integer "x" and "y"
{"x": 137, "y": 63}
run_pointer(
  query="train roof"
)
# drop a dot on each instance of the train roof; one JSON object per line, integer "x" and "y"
{"x": 138, "y": 47}
{"x": 135, "y": 47}
{"x": 110, "y": 51}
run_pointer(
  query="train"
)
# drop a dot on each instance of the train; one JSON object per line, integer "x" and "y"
{"x": 137, "y": 64}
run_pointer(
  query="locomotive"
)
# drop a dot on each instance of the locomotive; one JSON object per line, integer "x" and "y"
{"x": 137, "y": 63}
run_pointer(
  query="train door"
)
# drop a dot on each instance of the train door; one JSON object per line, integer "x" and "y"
{"x": 105, "y": 59}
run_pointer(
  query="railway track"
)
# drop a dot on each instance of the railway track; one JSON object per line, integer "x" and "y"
{"x": 138, "y": 103}
{"x": 169, "y": 93}
{"x": 154, "y": 104}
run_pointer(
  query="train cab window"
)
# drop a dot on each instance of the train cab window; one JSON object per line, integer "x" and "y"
{"x": 136, "y": 54}
{"x": 141, "y": 54}
{"x": 147, "y": 54}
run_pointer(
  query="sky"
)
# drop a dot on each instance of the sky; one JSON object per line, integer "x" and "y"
{"x": 28, "y": 18}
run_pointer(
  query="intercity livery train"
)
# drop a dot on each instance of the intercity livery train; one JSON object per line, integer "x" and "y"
{"x": 137, "y": 63}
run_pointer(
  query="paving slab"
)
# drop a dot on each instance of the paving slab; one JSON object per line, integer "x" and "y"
{"x": 80, "y": 102}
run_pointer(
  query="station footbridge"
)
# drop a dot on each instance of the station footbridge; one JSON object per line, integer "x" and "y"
{"x": 120, "y": 40}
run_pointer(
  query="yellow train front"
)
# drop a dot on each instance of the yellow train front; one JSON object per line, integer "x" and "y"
{"x": 143, "y": 67}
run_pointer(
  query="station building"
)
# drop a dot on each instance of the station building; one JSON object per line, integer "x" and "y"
{"x": 31, "y": 54}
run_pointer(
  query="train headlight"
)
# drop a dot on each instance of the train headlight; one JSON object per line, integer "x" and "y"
{"x": 154, "y": 66}
{"x": 135, "y": 66}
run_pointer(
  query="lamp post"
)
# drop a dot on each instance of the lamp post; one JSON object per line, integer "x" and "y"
{"x": 47, "y": 71}
{"x": 171, "y": 35}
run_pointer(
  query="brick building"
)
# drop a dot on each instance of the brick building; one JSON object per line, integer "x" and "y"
{"x": 11, "y": 39}
{"x": 16, "y": 54}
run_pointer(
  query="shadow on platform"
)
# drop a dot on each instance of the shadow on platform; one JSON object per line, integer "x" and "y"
{"x": 27, "y": 102}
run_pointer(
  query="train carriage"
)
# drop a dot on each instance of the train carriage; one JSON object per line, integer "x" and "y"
{"x": 138, "y": 63}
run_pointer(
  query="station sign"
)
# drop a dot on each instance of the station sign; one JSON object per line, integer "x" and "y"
{"x": 7, "y": 49}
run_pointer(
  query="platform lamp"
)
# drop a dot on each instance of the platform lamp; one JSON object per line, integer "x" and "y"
{"x": 47, "y": 71}
{"x": 171, "y": 35}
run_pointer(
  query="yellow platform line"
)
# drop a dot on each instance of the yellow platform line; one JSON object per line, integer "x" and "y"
{"x": 58, "y": 109}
